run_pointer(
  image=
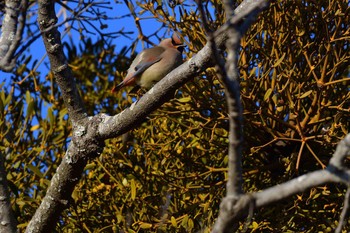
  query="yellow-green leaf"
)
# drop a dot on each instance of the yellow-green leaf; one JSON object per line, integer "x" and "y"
{"x": 133, "y": 189}
{"x": 190, "y": 224}
{"x": 184, "y": 99}
{"x": 50, "y": 116}
{"x": 184, "y": 221}
{"x": 28, "y": 97}
{"x": 30, "y": 108}
{"x": 279, "y": 60}
{"x": 306, "y": 94}
{"x": 145, "y": 225}
{"x": 35, "y": 170}
{"x": 267, "y": 94}
{"x": 173, "y": 221}
{"x": 34, "y": 127}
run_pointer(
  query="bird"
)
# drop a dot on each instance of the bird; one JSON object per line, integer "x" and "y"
{"x": 153, "y": 64}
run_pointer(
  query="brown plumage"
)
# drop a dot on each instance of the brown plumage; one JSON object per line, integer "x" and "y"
{"x": 153, "y": 64}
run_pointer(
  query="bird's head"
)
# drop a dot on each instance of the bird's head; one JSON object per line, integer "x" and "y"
{"x": 173, "y": 42}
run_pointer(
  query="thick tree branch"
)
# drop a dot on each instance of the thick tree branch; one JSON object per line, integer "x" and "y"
{"x": 233, "y": 205}
{"x": 343, "y": 150}
{"x": 334, "y": 173}
{"x": 12, "y": 30}
{"x": 64, "y": 77}
{"x": 85, "y": 143}
{"x": 7, "y": 220}
{"x": 298, "y": 185}
{"x": 84, "y": 146}
{"x": 235, "y": 112}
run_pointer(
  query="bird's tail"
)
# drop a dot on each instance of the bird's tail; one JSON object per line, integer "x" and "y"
{"x": 128, "y": 81}
{"x": 117, "y": 88}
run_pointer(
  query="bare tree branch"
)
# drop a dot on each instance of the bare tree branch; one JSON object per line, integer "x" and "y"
{"x": 7, "y": 220}
{"x": 235, "y": 112}
{"x": 84, "y": 143}
{"x": 84, "y": 146}
{"x": 344, "y": 213}
{"x": 39, "y": 34}
{"x": 239, "y": 209}
{"x": 297, "y": 185}
{"x": 234, "y": 206}
{"x": 343, "y": 150}
{"x": 14, "y": 23}
{"x": 63, "y": 74}
{"x": 12, "y": 30}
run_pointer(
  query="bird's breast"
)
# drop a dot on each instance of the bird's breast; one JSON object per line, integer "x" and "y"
{"x": 158, "y": 71}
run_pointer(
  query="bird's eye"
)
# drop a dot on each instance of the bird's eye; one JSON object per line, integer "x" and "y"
{"x": 173, "y": 41}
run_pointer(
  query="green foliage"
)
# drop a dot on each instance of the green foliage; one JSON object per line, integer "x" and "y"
{"x": 169, "y": 173}
{"x": 33, "y": 136}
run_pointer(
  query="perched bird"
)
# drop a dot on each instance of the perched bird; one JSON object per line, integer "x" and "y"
{"x": 153, "y": 64}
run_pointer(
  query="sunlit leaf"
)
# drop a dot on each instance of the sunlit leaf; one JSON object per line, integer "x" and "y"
{"x": 34, "y": 127}
{"x": 133, "y": 189}
{"x": 278, "y": 62}
{"x": 267, "y": 94}
{"x": 306, "y": 94}
{"x": 145, "y": 225}
{"x": 173, "y": 221}
{"x": 35, "y": 170}
{"x": 30, "y": 109}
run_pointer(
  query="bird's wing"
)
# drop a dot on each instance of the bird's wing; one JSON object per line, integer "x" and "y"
{"x": 143, "y": 65}
{"x": 142, "y": 62}
{"x": 139, "y": 69}
{"x": 147, "y": 58}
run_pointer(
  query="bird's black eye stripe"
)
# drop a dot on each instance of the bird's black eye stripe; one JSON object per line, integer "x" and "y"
{"x": 173, "y": 41}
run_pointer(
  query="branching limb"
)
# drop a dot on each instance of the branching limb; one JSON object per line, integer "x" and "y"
{"x": 85, "y": 143}
{"x": 235, "y": 112}
{"x": 84, "y": 146}
{"x": 334, "y": 173}
{"x": 234, "y": 205}
{"x": 239, "y": 209}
